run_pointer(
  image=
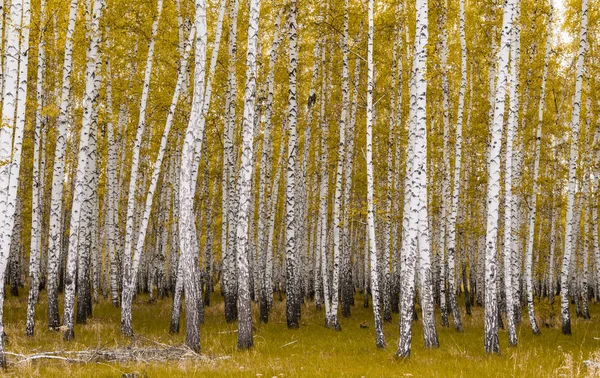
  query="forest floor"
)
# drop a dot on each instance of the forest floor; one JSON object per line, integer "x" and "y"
{"x": 310, "y": 351}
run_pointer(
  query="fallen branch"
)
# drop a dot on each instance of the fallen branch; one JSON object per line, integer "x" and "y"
{"x": 290, "y": 343}
{"x": 167, "y": 353}
{"x": 225, "y": 332}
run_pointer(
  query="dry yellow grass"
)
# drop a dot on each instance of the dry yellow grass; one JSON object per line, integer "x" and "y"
{"x": 316, "y": 351}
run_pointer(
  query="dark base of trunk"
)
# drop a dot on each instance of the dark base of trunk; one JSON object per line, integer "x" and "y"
{"x": 174, "y": 327}
{"x": 333, "y": 324}
{"x": 69, "y": 334}
{"x": 193, "y": 343}
{"x": 14, "y": 289}
{"x": 126, "y": 330}
{"x": 500, "y": 322}
{"x": 231, "y": 313}
{"x": 566, "y": 326}
{"x": 492, "y": 345}
{"x": 395, "y": 300}
{"x": 53, "y": 316}
{"x": 245, "y": 343}
{"x": 264, "y": 309}
{"x": 207, "y": 296}
{"x": 292, "y": 317}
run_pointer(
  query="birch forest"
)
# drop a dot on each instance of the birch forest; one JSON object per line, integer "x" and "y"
{"x": 300, "y": 188}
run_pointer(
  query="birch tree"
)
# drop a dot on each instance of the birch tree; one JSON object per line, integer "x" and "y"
{"x": 14, "y": 95}
{"x": 245, "y": 315}
{"x": 85, "y": 154}
{"x": 509, "y": 227}
{"x": 58, "y": 173}
{"x": 187, "y": 227}
{"x": 379, "y": 336}
{"x": 536, "y": 169}
{"x": 37, "y": 205}
{"x": 126, "y": 326}
{"x": 451, "y": 242}
{"x": 570, "y": 222}
{"x": 291, "y": 218}
{"x": 491, "y": 343}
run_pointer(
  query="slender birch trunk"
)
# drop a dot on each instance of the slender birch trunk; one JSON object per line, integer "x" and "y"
{"x": 37, "y": 206}
{"x": 491, "y": 342}
{"x": 570, "y": 223}
{"x": 446, "y": 270}
{"x": 291, "y": 218}
{"x": 420, "y": 202}
{"x": 509, "y": 227}
{"x": 536, "y": 168}
{"x": 332, "y": 321}
{"x": 14, "y": 95}
{"x": 264, "y": 219}
{"x": 127, "y": 298}
{"x": 245, "y": 315}
{"x": 187, "y": 229}
{"x": 229, "y": 173}
{"x": 58, "y": 173}
{"x": 379, "y": 336}
{"x": 451, "y": 242}
{"x": 84, "y": 160}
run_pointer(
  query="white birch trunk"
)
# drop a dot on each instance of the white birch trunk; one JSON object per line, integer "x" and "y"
{"x": 126, "y": 326}
{"x": 291, "y": 216}
{"x": 14, "y": 95}
{"x": 187, "y": 229}
{"x": 37, "y": 206}
{"x": 245, "y": 315}
{"x": 509, "y": 227}
{"x": 491, "y": 342}
{"x": 379, "y": 336}
{"x": 85, "y": 154}
{"x": 58, "y": 173}
{"x": 452, "y": 221}
{"x": 536, "y": 168}
{"x": 570, "y": 222}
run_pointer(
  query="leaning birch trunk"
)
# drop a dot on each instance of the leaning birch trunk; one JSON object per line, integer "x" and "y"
{"x": 14, "y": 95}
{"x": 451, "y": 242}
{"x": 84, "y": 157}
{"x": 379, "y": 336}
{"x": 491, "y": 342}
{"x": 127, "y": 298}
{"x": 37, "y": 206}
{"x": 536, "y": 169}
{"x": 187, "y": 228}
{"x": 208, "y": 90}
{"x": 129, "y": 287}
{"x": 509, "y": 227}
{"x": 245, "y": 315}
{"x": 58, "y": 173}
{"x": 570, "y": 222}
{"x": 291, "y": 217}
